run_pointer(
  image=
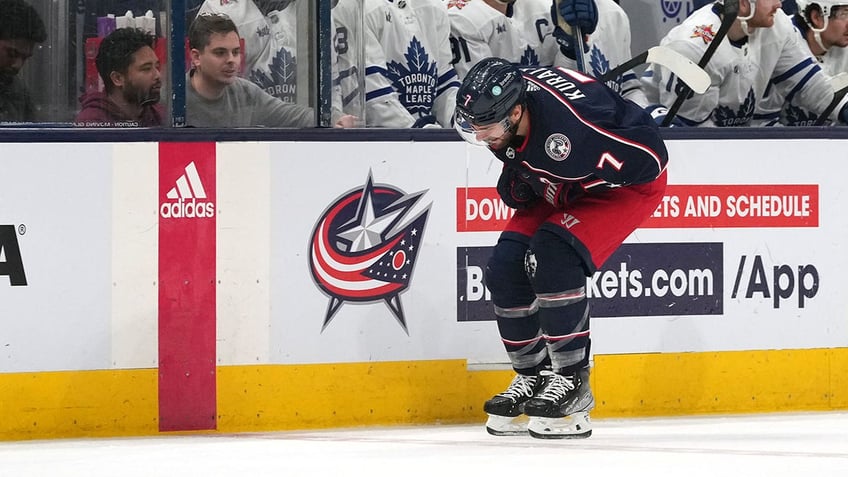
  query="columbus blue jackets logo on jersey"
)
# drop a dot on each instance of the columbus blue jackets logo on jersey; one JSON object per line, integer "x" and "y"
{"x": 558, "y": 146}
{"x": 280, "y": 80}
{"x": 415, "y": 81}
{"x": 364, "y": 246}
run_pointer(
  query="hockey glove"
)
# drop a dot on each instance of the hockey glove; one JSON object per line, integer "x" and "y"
{"x": 582, "y": 13}
{"x": 514, "y": 192}
{"x": 556, "y": 194}
{"x": 659, "y": 112}
{"x": 843, "y": 114}
{"x": 428, "y": 121}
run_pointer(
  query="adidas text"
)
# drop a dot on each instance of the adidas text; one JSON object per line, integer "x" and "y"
{"x": 187, "y": 209}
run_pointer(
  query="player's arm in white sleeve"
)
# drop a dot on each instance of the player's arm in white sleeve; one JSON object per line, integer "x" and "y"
{"x": 448, "y": 81}
{"x": 631, "y": 87}
{"x": 698, "y": 108}
{"x": 799, "y": 78}
{"x": 382, "y": 105}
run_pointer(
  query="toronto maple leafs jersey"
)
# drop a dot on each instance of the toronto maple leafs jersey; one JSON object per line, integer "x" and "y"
{"x": 739, "y": 71}
{"x": 582, "y": 131}
{"x": 778, "y": 108}
{"x": 609, "y": 46}
{"x": 523, "y": 36}
{"x": 349, "y": 49}
{"x": 408, "y": 75}
{"x": 270, "y": 44}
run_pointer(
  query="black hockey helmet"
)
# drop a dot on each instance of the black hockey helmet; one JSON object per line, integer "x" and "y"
{"x": 489, "y": 92}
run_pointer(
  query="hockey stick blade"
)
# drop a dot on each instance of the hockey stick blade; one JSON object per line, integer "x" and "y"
{"x": 693, "y": 75}
{"x": 731, "y": 11}
{"x": 839, "y": 83}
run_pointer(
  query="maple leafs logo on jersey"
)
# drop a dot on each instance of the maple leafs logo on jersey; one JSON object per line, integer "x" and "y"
{"x": 725, "y": 117}
{"x": 415, "y": 82}
{"x": 280, "y": 80}
{"x": 529, "y": 57}
{"x": 364, "y": 247}
{"x": 796, "y": 116}
{"x": 704, "y": 32}
{"x": 601, "y": 66}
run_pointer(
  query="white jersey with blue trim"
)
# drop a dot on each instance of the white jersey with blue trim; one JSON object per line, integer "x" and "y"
{"x": 609, "y": 46}
{"x": 523, "y": 36}
{"x": 780, "y": 108}
{"x": 740, "y": 71}
{"x": 408, "y": 77}
{"x": 270, "y": 44}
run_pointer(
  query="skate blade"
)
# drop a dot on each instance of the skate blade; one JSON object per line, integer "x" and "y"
{"x": 507, "y": 426}
{"x": 574, "y": 426}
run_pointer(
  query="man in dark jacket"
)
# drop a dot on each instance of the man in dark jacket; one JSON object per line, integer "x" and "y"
{"x": 21, "y": 28}
{"x": 131, "y": 75}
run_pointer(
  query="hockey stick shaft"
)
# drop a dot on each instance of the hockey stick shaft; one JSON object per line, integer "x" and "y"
{"x": 731, "y": 11}
{"x": 840, "y": 89}
{"x": 579, "y": 43}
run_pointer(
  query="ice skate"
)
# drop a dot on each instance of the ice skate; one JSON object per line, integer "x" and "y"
{"x": 506, "y": 409}
{"x": 561, "y": 409}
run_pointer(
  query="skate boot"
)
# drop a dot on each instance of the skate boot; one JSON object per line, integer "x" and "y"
{"x": 561, "y": 409}
{"x": 506, "y": 409}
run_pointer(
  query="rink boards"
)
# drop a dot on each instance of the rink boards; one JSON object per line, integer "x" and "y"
{"x": 157, "y": 287}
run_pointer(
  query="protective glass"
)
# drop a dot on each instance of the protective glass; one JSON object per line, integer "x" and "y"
{"x": 480, "y": 135}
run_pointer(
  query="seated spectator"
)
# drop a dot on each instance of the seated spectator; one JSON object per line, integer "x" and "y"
{"x": 217, "y": 97}
{"x": 268, "y": 30}
{"x": 130, "y": 72}
{"x": 21, "y": 28}
{"x": 409, "y": 80}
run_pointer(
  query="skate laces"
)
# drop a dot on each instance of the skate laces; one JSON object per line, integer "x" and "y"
{"x": 521, "y": 386}
{"x": 556, "y": 386}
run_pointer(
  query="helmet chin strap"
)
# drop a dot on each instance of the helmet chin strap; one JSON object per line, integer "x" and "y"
{"x": 505, "y": 2}
{"x": 743, "y": 21}
{"x": 817, "y": 33}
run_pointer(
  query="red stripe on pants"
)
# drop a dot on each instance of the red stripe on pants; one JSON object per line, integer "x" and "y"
{"x": 187, "y": 398}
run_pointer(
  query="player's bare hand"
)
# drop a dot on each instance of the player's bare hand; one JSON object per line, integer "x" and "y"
{"x": 347, "y": 121}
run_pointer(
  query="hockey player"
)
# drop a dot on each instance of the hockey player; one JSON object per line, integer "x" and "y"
{"x": 583, "y": 168}
{"x": 823, "y": 25}
{"x": 409, "y": 81}
{"x": 607, "y": 45}
{"x": 520, "y": 32}
{"x": 760, "y": 47}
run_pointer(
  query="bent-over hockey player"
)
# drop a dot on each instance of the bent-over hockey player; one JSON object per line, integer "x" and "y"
{"x": 583, "y": 168}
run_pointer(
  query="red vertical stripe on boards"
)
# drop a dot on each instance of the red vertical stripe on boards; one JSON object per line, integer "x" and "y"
{"x": 187, "y": 209}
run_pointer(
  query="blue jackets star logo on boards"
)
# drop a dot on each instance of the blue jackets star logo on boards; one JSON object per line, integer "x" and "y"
{"x": 364, "y": 246}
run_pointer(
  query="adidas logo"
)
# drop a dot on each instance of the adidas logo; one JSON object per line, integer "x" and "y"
{"x": 184, "y": 197}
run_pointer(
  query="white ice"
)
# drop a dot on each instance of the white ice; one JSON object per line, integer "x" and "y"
{"x": 773, "y": 445}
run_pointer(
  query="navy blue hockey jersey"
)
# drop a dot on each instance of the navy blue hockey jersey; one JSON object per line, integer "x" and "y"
{"x": 582, "y": 131}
